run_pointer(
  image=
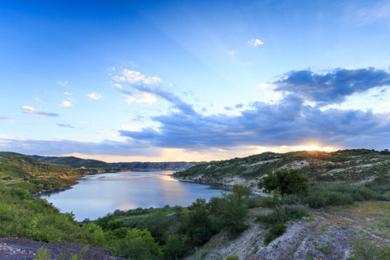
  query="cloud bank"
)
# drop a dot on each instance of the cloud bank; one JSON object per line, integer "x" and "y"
{"x": 290, "y": 121}
{"x": 333, "y": 86}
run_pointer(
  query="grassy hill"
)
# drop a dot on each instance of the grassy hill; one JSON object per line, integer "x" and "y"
{"x": 17, "y": 170}
{"x": 351, "y": 166}
{"x": 72, "y": 162}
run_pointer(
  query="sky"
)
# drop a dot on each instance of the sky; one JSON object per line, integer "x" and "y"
{"x": 193, "y": 80}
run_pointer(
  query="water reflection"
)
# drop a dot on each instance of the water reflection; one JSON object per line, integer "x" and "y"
{"x": 98, "y": 195}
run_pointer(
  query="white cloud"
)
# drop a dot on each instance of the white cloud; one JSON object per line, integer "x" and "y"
{"x": 33, "y": 111}
{"x": 66, "y": 103}
{"x": 255, "y": 43}
{"x": 94, "y": 96}
{"x": 29, "y": 109}
{"x": 141, "y": 97}
{"x": 232, "y": 52}
{"x": 268, "y": 93}
{"x": 136, "y": 78}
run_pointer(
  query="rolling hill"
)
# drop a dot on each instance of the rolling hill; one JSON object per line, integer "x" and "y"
{"x": 351, "y": 166}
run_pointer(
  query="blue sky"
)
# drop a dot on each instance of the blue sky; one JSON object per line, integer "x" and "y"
{"x": 193, "y": 80}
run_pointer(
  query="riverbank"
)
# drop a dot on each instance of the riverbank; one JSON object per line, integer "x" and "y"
{"x": 225, "y": 184}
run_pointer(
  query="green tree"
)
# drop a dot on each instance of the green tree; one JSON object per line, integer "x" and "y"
{"x": 196, "y": 222}
{"x": 176, "y": 247}
{"x": 137, "y": 244}
{"x": 285, "y": 182}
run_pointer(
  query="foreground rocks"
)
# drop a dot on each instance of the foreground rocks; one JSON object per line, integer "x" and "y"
{"x": 16, "y": 249}
{"x": 327, "y": 234}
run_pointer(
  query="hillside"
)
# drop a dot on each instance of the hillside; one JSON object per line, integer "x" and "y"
{"x": 72, "y": 162}
{"x": 351, "y": 166}
{"x": 96, "y": 166}
{"x": 17, "y": 170}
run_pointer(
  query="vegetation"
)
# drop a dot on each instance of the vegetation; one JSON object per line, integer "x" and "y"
{"x": 285, "y": 182}
{"x": 341, "y": 166}
{"x": 138, "y": 234}
{"x": 367, "y": 250}
{"x": 175, "y": 232}
{"x": 291, "y": 187}
{"x": 179, "y": 230}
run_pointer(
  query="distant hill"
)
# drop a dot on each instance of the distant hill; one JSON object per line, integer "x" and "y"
{"x": 168, "y": 166}
{"x": 100, "y": 166}
{"x": 72, "y": 162}
{"x": 352, "y": 166}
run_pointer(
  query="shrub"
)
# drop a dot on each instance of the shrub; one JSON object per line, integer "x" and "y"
{"x": 322, "y": 198}
{"x": 137, "y": 244}
{"x": 42, "y": 254}
{"x": 285, "y": 182}
{"x": 196, "y": 223}
{"x": 228, "y": 212}
{"x": 269, "y": 202}
{"x": 176, "y": 247}
{"x": 283, "y": 214}
{"x": 274, "y": 232}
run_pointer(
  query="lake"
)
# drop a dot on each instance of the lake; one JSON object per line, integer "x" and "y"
{"x": 97, "y": 195}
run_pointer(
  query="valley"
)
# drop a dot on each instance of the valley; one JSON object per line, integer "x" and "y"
{"x": 342, "y": 213}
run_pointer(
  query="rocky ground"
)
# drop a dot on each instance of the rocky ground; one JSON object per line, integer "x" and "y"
{"x": 16, "y": 249}
{"x": 326, "y": 234}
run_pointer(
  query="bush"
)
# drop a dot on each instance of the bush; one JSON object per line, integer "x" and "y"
{"x": 42, "y": 254}
{"x": 176, "y": 247}
{"x": 276, "y": 231}
{"x": 323, "y": 198}
{"x": 228, "y": 212}
{"x": 269, "y": 202}
{"x": 137, "y": 244}
{"x": 285, "y": 182}
{"x": 196, "y": 223}
{"x": 283, "y": 214}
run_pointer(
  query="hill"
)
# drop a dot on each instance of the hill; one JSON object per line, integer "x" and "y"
{"x": 348, "y": 166}
{"x": 72, "y": 162}
{"x": 18, "y": 170}
{"x": 96, "y": 166}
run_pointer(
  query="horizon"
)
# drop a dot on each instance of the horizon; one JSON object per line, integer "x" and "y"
{"x": 193, "y": 81}
{"x": 285, "y": 152}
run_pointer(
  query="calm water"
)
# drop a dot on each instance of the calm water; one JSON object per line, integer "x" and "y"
{"x": 97, "y": 195}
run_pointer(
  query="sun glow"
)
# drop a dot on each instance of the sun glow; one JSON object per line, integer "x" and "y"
{"x": 309, "y": 147}
{"x": 172, "y": 154}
